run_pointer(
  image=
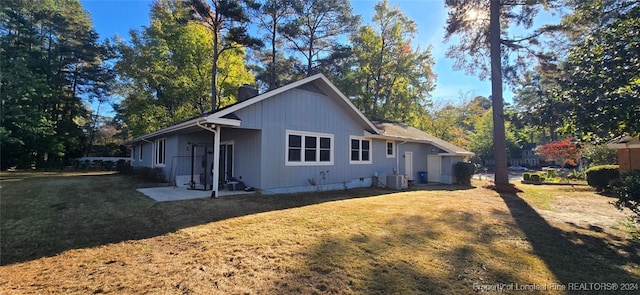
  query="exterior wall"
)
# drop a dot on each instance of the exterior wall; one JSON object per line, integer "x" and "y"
{"x": 419, "y": 151}
{"x": 171, "y": 148}
{"x": 181, "y": 161}
{"x": 381, "y": 164}
{"x": 246, "y": 154}
{"x": 305, "y": 111}
{"x": 147, "y": 156}
{"x": 260, "y": 147}
{"x": 629, "y": 159}
{"x": 448, "y": 173}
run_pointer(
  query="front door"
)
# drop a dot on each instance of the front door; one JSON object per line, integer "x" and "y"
{"x": 408, "y": 165}
{"x": 226, "y": 162}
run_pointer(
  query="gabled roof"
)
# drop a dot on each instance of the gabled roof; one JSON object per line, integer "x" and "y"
{"x": 319, "y": 80}
{"x": 375, "y": 127}
{"x": 225, "y": 116}
{"x": 401, "y": 131}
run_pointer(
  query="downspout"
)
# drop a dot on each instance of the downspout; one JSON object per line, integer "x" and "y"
{"x": 216, "y": 156}
{"x": 398, "y": 157}
{"x": 216, "y": 161}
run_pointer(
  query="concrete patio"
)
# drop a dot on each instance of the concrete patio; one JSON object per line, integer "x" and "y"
{"x": 166, "y": 194}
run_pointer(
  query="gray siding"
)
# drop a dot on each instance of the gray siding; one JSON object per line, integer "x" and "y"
{"x": 419, "y": 152}
{"x": 259, "y": 147}
{"x": 171, "y": 148}
{"x": 305, "y": 111}
{"x": 148, "y": 155}
{"x": 246, "y": 149}
{"x": 448, "y": 175}
{"x": 381, "y": 164}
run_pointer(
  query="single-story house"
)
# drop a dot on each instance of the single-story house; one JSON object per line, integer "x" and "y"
{"x": 304, "y": 136}
{"x": 628, "y": 149}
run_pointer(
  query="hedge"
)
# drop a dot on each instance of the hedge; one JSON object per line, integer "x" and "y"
{"x": 600, "y": 176}
{"x": 464, "y": 171}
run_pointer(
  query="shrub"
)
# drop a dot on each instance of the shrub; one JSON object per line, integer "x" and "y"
{"x": 627, "y": 189}
{"x": 97, "y": 164}
{"x": 124, "y": 167}
{"x": 577, "y": 175}
{"x": 147, "y": 174}
{"x": 536, "y": 178}
{"x": 600, "y": 176}
{"x": 108, "y": 165}
{"x": 551, "y": 173}
{"x": 464, "y": 171}
{"x": 526, "y": 176}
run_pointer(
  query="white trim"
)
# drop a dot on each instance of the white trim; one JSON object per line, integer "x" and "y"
{"x": 216, "y": 161}
{"x": 164, "y": 152}
{"x": 360, "y": 150}
{"x": 302, "y": 162}
{"x": 434, "y": 143}
{"x": 393, "y": 149}
{"x": 224, "y": 121}
{"x": 408, "y": 165}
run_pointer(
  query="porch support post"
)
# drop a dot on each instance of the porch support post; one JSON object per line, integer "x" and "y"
{"x": 216, "y": 161}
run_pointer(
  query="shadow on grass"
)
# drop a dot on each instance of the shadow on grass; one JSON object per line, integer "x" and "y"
{"x": 44, "y": 216}
{"x": 416, "y": 255}
{"x": 573, "y": 257}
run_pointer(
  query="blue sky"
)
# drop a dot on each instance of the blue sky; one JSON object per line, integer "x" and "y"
{"x": 117, "y": 17}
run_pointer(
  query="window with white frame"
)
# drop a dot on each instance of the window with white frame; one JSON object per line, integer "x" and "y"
{"x": 160, "y": 145}
{"x": 391, "y": 149}
{"x": 308, "y": 148}
{"x": 360, "y": 150}
{"x": 140, "y": 153}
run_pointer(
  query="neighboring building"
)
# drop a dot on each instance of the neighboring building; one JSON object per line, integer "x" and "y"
{"x": 301, "y": 137}
{"x": 528, "y": 157}
{"x": 628, "y": 149}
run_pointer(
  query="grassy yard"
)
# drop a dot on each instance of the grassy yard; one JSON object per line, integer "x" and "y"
{"x": 93, "y": 233}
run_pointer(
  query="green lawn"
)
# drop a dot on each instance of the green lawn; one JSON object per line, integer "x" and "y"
{"x": 93, "y": 233}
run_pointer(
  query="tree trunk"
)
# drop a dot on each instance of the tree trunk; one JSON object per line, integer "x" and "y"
{"x": 310, "y": 60}
{"x": 214, "y": 72}
{"x": 499, "y": 140}
{"x": 272, "y": 74}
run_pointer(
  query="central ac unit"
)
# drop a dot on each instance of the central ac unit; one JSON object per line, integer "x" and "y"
{"x": 397, "y": 182}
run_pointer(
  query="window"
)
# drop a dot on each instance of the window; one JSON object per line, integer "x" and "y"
{"x": 391, "y": 151}
{"x": 360, "y": 150}
{"x": 140, "y": 153}
{"x": 160, "y": 152}
{"x": 307, "y": 148}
